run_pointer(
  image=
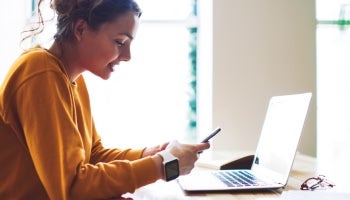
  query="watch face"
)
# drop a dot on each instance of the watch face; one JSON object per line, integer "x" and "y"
{"x": 172, "y": 170}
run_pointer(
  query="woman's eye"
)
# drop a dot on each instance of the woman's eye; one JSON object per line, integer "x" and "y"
{"x": 119, "y": 43}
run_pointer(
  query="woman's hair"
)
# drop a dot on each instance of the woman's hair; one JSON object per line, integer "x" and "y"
{"x": 94, "y": 12}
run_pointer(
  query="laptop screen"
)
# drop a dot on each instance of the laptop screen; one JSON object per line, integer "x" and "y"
{"x": 280, "y": 134}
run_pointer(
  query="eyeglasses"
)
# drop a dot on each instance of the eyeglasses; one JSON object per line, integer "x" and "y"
{"x": 319, "y": 182}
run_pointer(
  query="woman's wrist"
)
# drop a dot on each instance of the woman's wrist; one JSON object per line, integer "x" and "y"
{"x": 158, "y": 160}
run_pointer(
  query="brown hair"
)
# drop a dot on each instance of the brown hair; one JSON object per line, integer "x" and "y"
{"x": 94, "y": 12}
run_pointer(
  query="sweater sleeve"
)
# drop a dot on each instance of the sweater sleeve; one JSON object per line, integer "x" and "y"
{"x": 101, "y": 154}
{"x": 61, "y": 145}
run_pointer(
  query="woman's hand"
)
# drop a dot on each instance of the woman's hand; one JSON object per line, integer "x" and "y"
{"x": 150, "y": 151}
{"x": 186, "y": 153}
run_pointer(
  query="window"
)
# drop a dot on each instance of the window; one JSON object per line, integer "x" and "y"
{"x": 10, "y": 34}
{"x": 146, "y": 101}
{"x": 333, "y": 82}
{"x": 152, "y": 98}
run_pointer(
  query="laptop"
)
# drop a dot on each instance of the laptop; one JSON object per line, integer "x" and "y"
{"x": 274, "y": 155}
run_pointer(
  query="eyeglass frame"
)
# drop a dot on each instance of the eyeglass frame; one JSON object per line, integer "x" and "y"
{"x": 321, "y": 179}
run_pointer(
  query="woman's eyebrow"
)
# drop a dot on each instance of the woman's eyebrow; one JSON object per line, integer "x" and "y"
{"x": 127, "y": 35}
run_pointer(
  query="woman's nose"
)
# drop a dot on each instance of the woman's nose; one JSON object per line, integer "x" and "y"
{"x": 125, "y": 53}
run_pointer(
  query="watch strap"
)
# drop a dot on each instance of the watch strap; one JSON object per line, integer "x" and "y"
{"x": 167, "y": 156}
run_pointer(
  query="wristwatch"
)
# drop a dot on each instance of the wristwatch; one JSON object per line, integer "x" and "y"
{"x": 170, "y": 165}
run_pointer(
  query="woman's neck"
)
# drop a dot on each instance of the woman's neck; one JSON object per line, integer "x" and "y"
{"x": 63, "y": 53}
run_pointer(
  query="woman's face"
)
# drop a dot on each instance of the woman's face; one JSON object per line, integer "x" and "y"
{"x": 100, "y": 51}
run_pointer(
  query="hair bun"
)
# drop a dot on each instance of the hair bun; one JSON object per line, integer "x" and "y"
{"x": 64, "y": 6}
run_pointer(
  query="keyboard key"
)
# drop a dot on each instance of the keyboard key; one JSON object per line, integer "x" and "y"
{"x": 238, "y": 178}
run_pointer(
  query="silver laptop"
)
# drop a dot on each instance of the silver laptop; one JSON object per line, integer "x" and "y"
{"x": 274, "y": 155}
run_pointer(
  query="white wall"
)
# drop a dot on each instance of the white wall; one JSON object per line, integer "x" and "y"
{"x": 260, "y": 49}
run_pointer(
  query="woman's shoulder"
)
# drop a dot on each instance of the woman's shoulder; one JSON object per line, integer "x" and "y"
{"x": 37, "y": 54}
{"x": 36, "y": 60}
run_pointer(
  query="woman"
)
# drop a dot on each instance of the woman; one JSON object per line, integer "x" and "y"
{"x": 48, "y": 142}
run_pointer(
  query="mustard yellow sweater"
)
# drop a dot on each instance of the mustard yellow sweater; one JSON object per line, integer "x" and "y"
{"x": 49, "y": 148}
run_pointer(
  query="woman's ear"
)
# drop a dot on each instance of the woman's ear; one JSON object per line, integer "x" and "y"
{"x": 80, "y": 27}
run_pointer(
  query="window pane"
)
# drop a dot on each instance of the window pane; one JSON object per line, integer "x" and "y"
{"x": 165, "y": 9}
{"x": 333, "y": 87}
{"x": 146, "y": 99}
{"x": 331, "y": 10}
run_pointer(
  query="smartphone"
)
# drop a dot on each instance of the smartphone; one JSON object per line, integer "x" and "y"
{"x": 216, "y": 131}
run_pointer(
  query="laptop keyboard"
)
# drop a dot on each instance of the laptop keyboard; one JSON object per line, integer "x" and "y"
{"x": 238, "y": 178}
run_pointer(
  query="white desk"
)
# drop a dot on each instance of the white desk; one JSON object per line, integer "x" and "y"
{"x": 304, "y": 167}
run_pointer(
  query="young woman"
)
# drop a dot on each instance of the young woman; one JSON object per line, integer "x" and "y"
{"x": 48, "y": 142}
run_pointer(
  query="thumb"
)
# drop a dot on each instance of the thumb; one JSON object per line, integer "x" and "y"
{"x": 172, "y": 144}
{"x": 164, "y": 146}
